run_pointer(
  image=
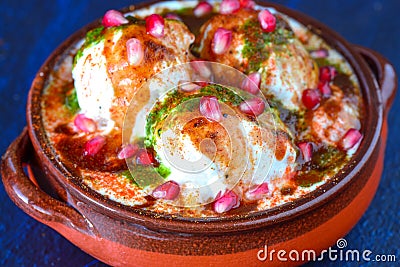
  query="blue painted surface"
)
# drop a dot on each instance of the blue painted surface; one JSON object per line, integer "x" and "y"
{"x": 31, "y": 30}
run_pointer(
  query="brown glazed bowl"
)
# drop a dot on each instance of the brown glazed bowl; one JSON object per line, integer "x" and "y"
{"x": 124, "y": 237}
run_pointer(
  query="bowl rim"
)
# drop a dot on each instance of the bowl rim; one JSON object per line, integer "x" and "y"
{"x": 372, "y": 120}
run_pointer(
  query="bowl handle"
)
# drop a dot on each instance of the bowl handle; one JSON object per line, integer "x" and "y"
{"x": 32, "y": 200}
{"x": 384, "y": 73}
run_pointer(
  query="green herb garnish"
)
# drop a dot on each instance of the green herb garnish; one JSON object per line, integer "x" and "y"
{"x": 71, "y": 102}
{"x": 92, "y": 37}
{"x": 325, "y": 161}
{"x": 145, "y": 175}
{"x": 163, "y": 170}
{"x": 127, "y": 175}
{"x": 258, "y": 44}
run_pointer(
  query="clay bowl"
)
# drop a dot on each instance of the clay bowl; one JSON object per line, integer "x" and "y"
{"x": 117, "y": 235}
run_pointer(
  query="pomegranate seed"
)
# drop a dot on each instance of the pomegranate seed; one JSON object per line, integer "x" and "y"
{"x": 229, "y": 6}
{"x": 113, "y": 18}
{"x": 351, "y": 138}
{"x": 254, "y": 106}
{"x": 155, "y": 25}
{"x": 93, "y": 146}
{"x": 267, "y": 21}
{"x": 325, "y": 88}
{"x": 311, "y": 98}
{"x": 257, "y": 192}
{"x": 145, "y": 157}
{"x": 320, "y": 53}
{"x": 85, "y": 124}
{"x": 134, "y": 52}
{"x": 202, "y": 9}
{"x": 168, "y": 191}
{"x": 201, "y": 83}
{"x": 334, "y": 72}
{"x": 221, "y": 41}
{"x": 247, "y": 4}
{"x": 128, "y": 151}
{"x": 173, "y": 16}
{"x": 324, "y": 74}
{"x": 201, "y": 68}
{"x": 226, "y": 202}
{"x": 327, "y": 73}
{"x": 209, "y": 108}
{"x": 252, "y": 83}
{"x": 306, "y": 149}
{"x": 186, "y": 86}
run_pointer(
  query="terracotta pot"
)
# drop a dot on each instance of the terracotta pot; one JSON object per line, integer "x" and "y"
{"x": 125, "y": 237}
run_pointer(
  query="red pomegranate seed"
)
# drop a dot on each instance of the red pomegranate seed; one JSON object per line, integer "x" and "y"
{"x": 134, "y": 51}
{"x": 351, "y": 138}
{"x": 257, "y": 192}
{"x": 209, "y": 108}
{"x": 128, "y": 151}
{"x": 85, "y": 124}
{"x": 168, "y": 191}
{"x": 145, "y": 157}
{"x": 173, "y": 16}
{"x": 327, "y": 73}
{"x": 201, "y": 83}
{"x": 93, "y": 146}
{"x": 155, "y": 25}
{"x": 334, "y": 72}
{"x": 202, "y": 8}
{"x": 267, "y": 21}
{"x": 306, "y": 149}
{"x": 320, "y": 53}
{"x": 201, "y": 68}
{"x": 252, "y": 83}
{"x": 311, "y": 98}
{"x": 254, "y": 106}
{"x": 186, "y": 86}
{"x": 229, "y": 6}
{"x": 247, "y": 4}
{"x": 221, "y": 41}
{"x": 113, "y": 18}
{"x": 324, "y": 74}
{"x": 226, "y": 202}
{"x": 325, "y": 88}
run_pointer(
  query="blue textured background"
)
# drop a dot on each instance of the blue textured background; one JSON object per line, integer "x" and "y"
{"x": 31, "y": 30}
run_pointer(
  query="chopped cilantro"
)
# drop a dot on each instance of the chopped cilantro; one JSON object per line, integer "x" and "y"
{"x": 257, "y": 44}
{"x": 92, "y": 37}
{"x": 324, "y": 162}
{"x": 163, "y": 170}
{"x": 127, "y": 175}
{"x": 184, "y": 11}
{"x": 71, "y": 101}
{"x": 145, "y": 175}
